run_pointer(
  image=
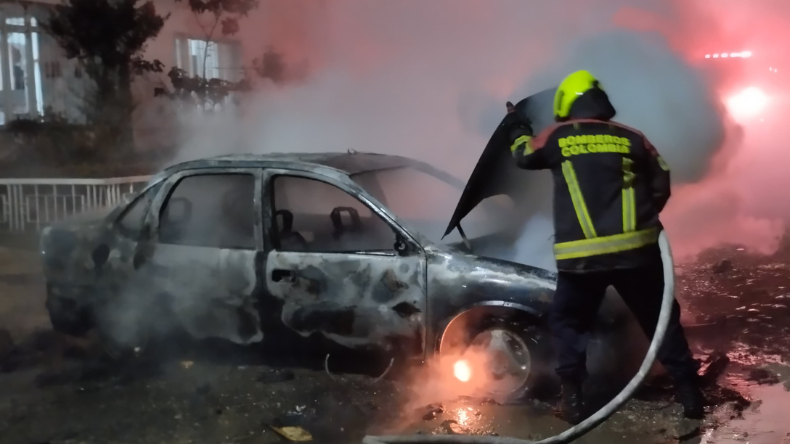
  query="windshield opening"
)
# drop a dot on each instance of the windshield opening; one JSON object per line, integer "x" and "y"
{"x": 425, "y": 198}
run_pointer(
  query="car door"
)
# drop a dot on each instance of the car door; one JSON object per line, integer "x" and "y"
{"x": 341, "y": 267}
{"x": 201, "y": 253}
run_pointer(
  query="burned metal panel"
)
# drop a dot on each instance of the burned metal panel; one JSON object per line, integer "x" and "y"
{"x": 347, "y": 163}
{"x": 83, "y": 250}
{"x": 210, "y": 291}
{"x": 356, "y": 300}
{"x": 86, "y": 267}
{"x": 458, "y": 281}
{"x": 207, "y": 291}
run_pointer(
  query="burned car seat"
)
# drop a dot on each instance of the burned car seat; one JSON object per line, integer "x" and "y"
{"x": 337, "y": 222}
{"x": 289, "y": 240}
{"x": 347, "y": 236}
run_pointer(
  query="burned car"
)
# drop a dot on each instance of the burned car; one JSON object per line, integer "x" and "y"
{"x": 245, "y": 247}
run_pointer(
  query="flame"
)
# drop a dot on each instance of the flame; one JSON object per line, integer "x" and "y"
{"x": 747, "y": 103}
{"x": 462, "y": 370}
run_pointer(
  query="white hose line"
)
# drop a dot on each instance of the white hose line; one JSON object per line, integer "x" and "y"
{"x": 601, "y": 415}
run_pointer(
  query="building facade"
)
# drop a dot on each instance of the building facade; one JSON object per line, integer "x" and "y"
{"x": 36, "y": 78}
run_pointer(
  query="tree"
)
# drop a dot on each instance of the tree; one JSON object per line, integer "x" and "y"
{"x": 226, "y": 13}
{"x": 198, "y": 92}
{"x": 272, "y": 66}
{"x": 108, "y": 37}
{"x": 201, "y": 90}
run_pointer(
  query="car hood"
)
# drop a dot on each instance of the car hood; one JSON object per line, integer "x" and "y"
{"x": 496, "y": 172}
{"x": 90, "y": 217}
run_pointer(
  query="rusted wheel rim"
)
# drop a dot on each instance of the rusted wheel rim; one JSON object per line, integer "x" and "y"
{"x": 509, "y": 361}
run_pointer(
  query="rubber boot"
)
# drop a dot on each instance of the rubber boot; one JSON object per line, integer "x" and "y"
{"x": 572, "y": 404}
{"x": 689, "y": 395}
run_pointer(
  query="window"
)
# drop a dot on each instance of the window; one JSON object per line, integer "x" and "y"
{"x": 203, "y": 59}
{"x": 424, "y": 200}
{"x": 212, "y": 210}
{"x": 212, "y": 60}
{"x": 21, "y": 92}
{"x": 315, "y": 216}
{"x": 132, "y": 220}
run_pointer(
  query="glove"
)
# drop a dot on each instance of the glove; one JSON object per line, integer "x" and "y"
{"x": 515, "y": 122}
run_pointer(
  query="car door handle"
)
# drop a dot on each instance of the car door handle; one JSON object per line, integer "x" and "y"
{"x": 279, "y": 274}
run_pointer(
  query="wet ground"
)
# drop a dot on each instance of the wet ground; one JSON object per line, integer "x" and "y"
{"x": 59, "y": 390}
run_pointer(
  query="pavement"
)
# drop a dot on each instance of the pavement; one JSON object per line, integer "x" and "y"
{"x": 60, "y": 390}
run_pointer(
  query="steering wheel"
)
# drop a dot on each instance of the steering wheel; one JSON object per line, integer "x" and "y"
{"x": 337, "y": 221}
{"x": 286, "y": 233}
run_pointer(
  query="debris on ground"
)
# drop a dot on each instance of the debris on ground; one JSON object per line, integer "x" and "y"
{"x": 271, "y": 376}
{"x": 293, "y": 433}
{"x": 452, "y": 427}
{"x": 762, "y": 376}
{"x": 236, "y": 407}
{"x": 782, "y": 372}
{"x": 292, "y": 425}
{"x": 713, "y": 367}
{"x": 722, "y": 266}
{"x": 431, "y": 411}
{"x": 718, "y": 395}
{"x": 477, "y": 400}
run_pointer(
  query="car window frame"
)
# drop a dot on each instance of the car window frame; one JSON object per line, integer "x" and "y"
{"x": 169, "y": 186}
{"x": 347, "y": 186}
{"x": 117, "y": 221}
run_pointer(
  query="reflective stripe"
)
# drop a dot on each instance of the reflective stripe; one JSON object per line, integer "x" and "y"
{"x": 578, "y": 200}
{"x": 525, "y": 140}
{"x": 605, "y": 244}
{"x": 662, "y": 163}
{"x": 629, "y": 197}
{"x": 629, "y": 210}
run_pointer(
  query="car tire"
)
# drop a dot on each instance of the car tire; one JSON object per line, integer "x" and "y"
{"x": 66, "y": 317}
{"x": 534, "y": 379}
{"x": 118, "y": 349}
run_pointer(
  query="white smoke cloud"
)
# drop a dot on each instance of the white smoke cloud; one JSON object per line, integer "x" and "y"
{"x": 429, "y": 80}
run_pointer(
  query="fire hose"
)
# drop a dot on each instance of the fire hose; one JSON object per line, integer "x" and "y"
{"x": 598, "y": 417}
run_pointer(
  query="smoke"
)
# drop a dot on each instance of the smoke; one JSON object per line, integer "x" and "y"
{"x": 429, "y": 80}
{"x": 654, "y": 90}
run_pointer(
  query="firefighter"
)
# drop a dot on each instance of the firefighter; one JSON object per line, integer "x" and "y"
{"x": 610, "y": 184}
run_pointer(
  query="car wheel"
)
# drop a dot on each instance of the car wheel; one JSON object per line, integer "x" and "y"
{"x": 121, "y": 349}
{"x": 121, "y": 337}
{"x": 514, "y": 355}
{"x": 66, "y": 317}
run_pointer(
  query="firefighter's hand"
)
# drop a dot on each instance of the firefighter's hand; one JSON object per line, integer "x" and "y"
{"x": 515, "y": 121}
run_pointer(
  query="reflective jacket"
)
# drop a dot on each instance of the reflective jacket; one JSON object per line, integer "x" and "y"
{"x": 610, "y": 184}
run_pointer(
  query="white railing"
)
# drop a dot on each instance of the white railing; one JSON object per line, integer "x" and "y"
{"x": 31, "y": 204}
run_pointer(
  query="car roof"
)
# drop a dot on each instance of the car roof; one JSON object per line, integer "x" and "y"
{"x": 350, "y": 163}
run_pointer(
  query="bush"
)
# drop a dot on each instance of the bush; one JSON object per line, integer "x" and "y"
{"x": 53, "y": 147}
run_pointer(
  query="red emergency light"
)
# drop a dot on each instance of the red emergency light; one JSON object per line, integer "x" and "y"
{"x": 725, "y": 55}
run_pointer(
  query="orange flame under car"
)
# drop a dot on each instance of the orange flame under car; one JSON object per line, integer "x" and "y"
{"x": 462, "y": 370}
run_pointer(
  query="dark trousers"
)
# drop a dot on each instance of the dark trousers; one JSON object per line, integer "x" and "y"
{"x": 575, "y": 308}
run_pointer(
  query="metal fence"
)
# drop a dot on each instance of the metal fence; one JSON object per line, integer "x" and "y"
{"x": 31, "y": 204}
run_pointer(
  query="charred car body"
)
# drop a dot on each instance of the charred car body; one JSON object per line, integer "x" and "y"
{"x": 344, "y": 248}
{"x": 243, "y": 247}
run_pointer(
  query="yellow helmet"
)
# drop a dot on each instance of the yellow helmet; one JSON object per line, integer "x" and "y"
{"x": 571, "y": 88}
